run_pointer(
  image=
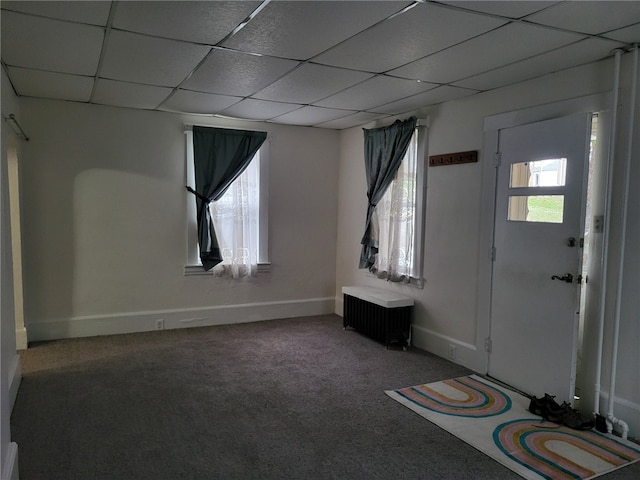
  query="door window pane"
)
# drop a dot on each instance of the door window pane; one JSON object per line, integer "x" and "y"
{"x": 536, "y": 208}
{"x": 540, "y": 173}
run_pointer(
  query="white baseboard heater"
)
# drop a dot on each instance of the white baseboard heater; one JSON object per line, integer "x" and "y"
{"x": 382, "y": 315}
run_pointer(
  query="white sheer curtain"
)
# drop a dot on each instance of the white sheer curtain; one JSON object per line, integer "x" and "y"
{"x": 235, "y": 218}
{"x": 394, "y": 222}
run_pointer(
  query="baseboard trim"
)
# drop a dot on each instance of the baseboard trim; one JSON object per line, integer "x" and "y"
{"x": 15, "y": 377}
{"x": 463, "y": 354}
{"x": 10, "y": 464}
{"x": 21, "y": 338}
{"x": 132, "y": 322}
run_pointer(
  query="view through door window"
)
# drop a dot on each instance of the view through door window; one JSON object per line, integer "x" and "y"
{"x": 533, "y": 182}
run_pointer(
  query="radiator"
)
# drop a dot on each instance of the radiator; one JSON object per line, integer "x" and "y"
{"x": 382, "y": 316}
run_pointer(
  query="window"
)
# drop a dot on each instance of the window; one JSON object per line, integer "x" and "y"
{"x": 532, "y": 181}
{"x": 240, "y": 218}
{"x": 398, "y": 218}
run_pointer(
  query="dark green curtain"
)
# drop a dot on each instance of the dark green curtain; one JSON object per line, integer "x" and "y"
{"x": 220, "y": 156}
{"x": 384, "y": 149}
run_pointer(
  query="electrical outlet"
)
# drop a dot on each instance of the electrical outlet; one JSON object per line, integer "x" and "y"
{"x": 159, "y": 324}
{"x": 452, "y": 352}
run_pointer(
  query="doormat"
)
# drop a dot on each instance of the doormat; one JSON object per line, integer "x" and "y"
{"x": 496, "y": 421}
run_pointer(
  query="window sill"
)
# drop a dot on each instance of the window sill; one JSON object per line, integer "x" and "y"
{"x": 413, "y": 282}
{"x": 190, "y": 270}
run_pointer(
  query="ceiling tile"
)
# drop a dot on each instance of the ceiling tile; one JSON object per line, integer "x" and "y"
{"x": 300, "y": 30}
{"x": 132, "y": 95}
{"x": 94, "y": 13}
{"x": 199, "y": 103}
{"x": 491, "y": 50}
{"x": 441, "y": 94}
{"x": 153, "y": 61}
{"x": 310, "y": 83}
{"x": 590, "y": 17}
{"x": 578, "y": 53}
{"x": 60, "y": 86}
{"x": 312, "y": 116}
{"x": 423, "y": 30}
{"x": 360, "y": 118}
{"x": 509, "y": 9}
{"x": 58, "y": 46}
{"x": 375, "y": 91}
{"x": 202, "y": 22}
{"x": 235, "y": 73}
{"x": 629, "y": 35}
{"x": 259, "y": 109}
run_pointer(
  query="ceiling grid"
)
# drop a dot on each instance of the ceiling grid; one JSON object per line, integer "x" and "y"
{"x": 316, "y": 63}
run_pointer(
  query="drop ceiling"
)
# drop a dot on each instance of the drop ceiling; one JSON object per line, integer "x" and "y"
{"x": 329, "y": 64}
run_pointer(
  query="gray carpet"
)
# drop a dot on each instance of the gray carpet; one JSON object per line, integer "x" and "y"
{"x": 296, "y": 398}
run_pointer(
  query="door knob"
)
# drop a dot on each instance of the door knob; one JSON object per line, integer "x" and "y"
{"x": 567, "y": 277}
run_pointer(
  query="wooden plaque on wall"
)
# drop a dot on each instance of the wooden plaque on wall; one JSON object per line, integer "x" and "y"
{"x": 453, "y": 158}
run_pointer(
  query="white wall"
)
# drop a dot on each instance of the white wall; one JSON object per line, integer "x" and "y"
{"x": 105, "y": 231}
{"x": 9, "y": 360}
{"x": 446, "y": 309}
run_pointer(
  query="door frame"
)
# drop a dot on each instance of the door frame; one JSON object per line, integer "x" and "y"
{"x": 492, "y": 127}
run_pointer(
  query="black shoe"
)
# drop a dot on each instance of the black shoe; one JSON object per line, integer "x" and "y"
{"x": 536, "y": 406}
{"x": 554, "y": 412}
{"x": 546, "y": 408}
{"x": 572, "y": 418}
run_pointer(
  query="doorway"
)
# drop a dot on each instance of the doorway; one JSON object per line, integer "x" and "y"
{"x": 13, "y": 180}
{"x": 488, "y": 332}
{"x": 538, "y": 231}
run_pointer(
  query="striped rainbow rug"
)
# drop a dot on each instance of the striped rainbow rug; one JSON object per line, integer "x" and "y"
{"x": 496, "y": 421}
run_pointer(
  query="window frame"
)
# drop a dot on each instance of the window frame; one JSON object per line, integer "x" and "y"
{"x": 193, "y": 265}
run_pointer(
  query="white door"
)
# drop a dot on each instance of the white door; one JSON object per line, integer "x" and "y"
{"x": 535, "y": 282}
